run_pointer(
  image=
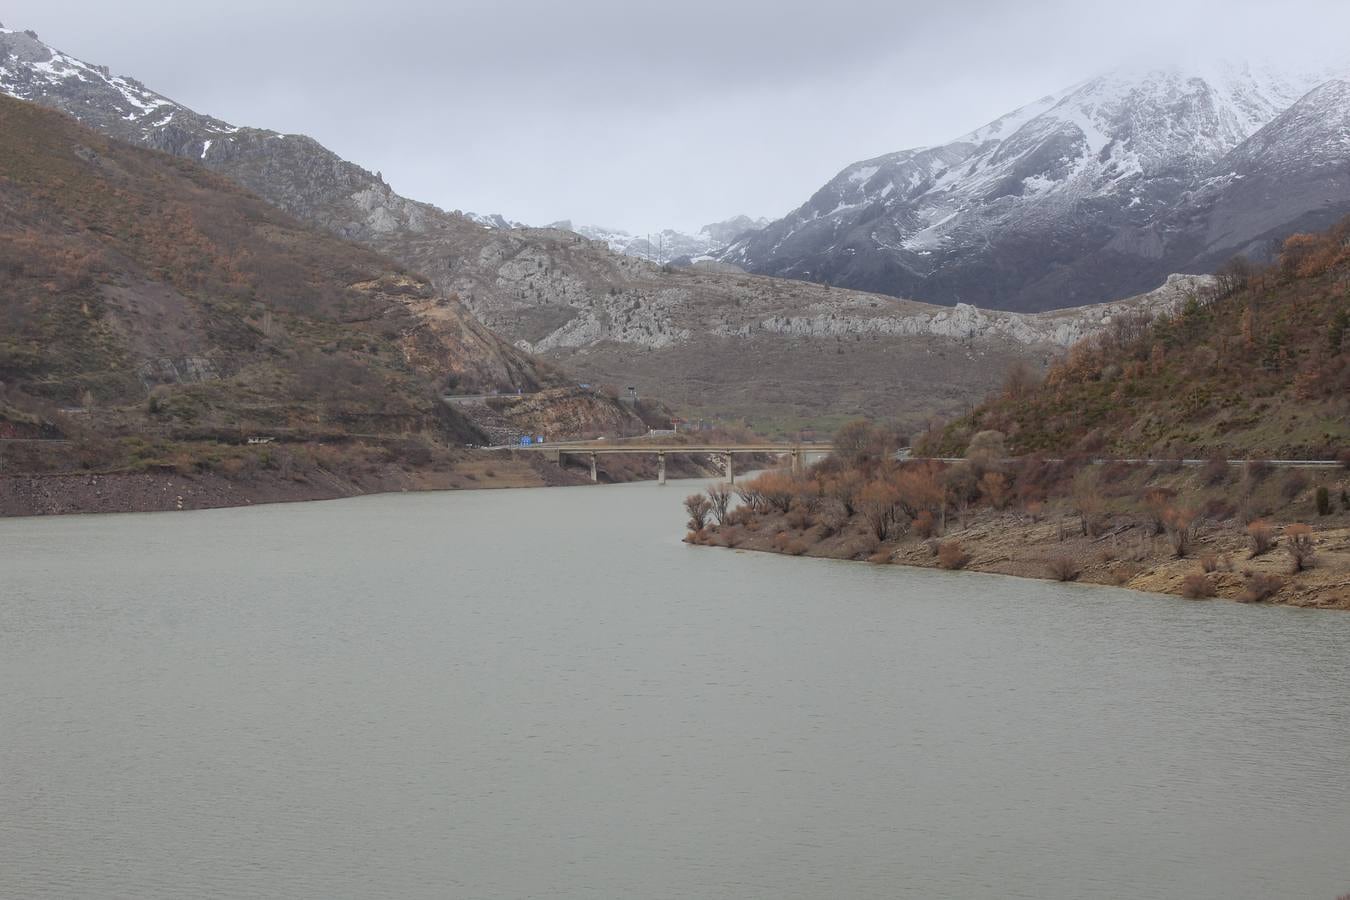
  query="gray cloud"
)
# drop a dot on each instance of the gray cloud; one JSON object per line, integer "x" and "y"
{"x": 641, "y": 115}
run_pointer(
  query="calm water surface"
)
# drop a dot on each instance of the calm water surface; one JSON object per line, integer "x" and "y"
{"x": 542, "y": 693}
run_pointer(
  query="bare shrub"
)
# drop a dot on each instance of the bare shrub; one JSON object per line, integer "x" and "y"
{"x": 1156, "y": 502}
{"x": 1299, "y": 544}
{"x": 730, "y": 537}
{"x": 924, "y": 525}
{"x": 1121, "y": 573}
{"x": 1256, "y": 470}
{"x": 1259, "y": 586}
{"x": 1197, "y": 587}
{"x": 797, "y": 547}
{"x": 698, "y": 508}
{"x": 1179, "y": 522}
{"x": 799, "y": 519}
{"x": 1260, "y": 538}
{"x": 830, "y": 522}
{"x": 951, "y": 555}
{"x": 1063, "y": 568}
{"x": 880, "y": 558}
{"x": 844, "y": 487}
{"x": 994, "y": 487}
{"x": 1088, "y": 502}
{"x": 781, "y": 541}
{"x": 719, "y": 501}
{"x": 879, "y": 504}
{"x": 1209, "y": 562}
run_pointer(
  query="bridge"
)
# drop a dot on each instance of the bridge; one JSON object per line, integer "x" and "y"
{"x": 595, "y": 449}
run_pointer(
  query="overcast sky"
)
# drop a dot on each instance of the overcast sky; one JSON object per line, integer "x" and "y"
{"x": 642, "y": 115}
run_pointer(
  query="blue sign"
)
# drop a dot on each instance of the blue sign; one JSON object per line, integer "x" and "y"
{"x": 539, "y": 439}
{"x": 525, "y": 441}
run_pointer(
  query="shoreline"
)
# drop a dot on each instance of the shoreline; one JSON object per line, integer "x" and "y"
{"x": 34, "y": 495}
{"x": 1125, "y": 559}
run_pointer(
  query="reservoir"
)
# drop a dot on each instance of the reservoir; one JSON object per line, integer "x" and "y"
{"x": 544, "y": 693}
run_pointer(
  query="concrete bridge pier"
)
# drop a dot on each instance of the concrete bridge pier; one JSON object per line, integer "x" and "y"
{"x": 731, "y": 472}
{"x": 797, "y": 461}
{"x": 660, "y": 468}
{"x": 595, "y": 475}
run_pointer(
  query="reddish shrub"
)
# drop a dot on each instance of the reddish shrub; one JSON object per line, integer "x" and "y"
{"x": 1259, "y": 586}
{"x": 1197, "y": 587}
{"x": 951, "y": 555}
{"x": 1260, "y": 538}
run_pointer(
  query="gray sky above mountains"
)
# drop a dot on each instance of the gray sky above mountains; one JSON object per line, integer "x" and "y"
{"x": 640, "y": 115}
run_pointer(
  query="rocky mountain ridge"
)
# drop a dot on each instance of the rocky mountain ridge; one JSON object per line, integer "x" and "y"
{"x": 1095, "y": 192}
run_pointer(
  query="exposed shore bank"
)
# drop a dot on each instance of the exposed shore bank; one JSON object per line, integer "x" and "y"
{"x": 1130, "y": 560}
{"x": 1296, "y": 557}
{"x": 41, "y": 494}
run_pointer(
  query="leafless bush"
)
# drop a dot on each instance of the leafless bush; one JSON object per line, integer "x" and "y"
{"x": 861, "y": 547}
{"x": 698, "y": 508}
{"x": 799, "y": 517}
{"x": 1256, "y": 470}
{"x": 1063, "y": 568}
{"x": 1260, "y": 538}
{"x": 1259, "y": 586}
{"x": 719, "y": 499}
{"x": 1299, "y": 543}
{"x": 1197, "y": 587}
{"x": 951, "y": 555}
{"x": 1208, "y": 562}
{"x": 1156, "y": 502}
{"x": 1179, "y": 522}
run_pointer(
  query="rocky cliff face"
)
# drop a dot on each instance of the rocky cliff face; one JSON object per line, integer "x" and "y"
{"x": 1096, "y": 192}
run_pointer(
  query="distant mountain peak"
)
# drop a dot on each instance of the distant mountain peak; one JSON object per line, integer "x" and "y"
{"x": 1038, "y": 208}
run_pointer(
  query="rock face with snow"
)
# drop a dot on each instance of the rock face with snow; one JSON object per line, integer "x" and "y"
{"x": 1096, "y": 192}
{"x": 670, "y": 245}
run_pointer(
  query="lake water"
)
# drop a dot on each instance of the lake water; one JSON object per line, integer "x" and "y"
{"x": 543, "y": 693}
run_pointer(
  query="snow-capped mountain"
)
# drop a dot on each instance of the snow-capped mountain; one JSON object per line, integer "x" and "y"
{"x": 493, "y": 220}
{"x": 1081, "y": 196}
{"x": 669, "y": 244}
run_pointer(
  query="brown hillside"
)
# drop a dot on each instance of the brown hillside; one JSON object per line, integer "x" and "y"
{"x": 1261, "y": 366}
{"x": 146, "y": 296}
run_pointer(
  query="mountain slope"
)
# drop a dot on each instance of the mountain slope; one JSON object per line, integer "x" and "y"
{"x": 1262, "y": 369}
{"x": 293, "y": 172}
{"x": 1097, "y": 192}
{"x": 159, "y": 299}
